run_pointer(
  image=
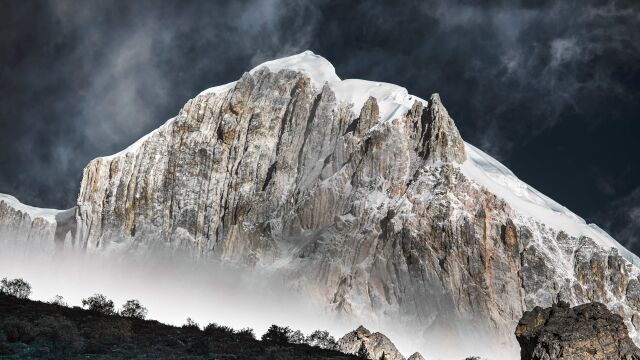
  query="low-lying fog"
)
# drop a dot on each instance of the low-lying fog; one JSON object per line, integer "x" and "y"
{"x": 172, "y": 288}
{"x": 175, "y": 287}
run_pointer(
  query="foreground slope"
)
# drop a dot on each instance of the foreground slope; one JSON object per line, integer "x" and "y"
{"x": 363, "y": 197}
{"x": 36, "y": 330}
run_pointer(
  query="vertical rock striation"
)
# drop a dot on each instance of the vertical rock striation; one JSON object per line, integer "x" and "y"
{"x": 32, "y": 231}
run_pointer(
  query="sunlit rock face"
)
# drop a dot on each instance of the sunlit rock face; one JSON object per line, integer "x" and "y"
{"x": 364, "y": 197}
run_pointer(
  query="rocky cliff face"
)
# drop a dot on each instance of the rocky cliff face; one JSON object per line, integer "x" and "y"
{"x": 364, "y": 197}
{"x": 34, "y": 231}
{"x": 588, "y": 331}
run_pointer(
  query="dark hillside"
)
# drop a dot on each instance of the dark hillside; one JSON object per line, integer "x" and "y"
{"x": 37, "y": 330}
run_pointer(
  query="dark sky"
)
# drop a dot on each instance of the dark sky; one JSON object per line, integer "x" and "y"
{"x": 550, "y": 88}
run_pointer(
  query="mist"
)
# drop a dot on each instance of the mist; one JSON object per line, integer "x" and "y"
{"x": 174, "y": 285}
{"x": 173, "y": 288}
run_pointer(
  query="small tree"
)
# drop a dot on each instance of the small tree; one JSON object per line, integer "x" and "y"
{"x": 297, "y": 337}
{"x": 246, "y": 333}
{"x": 133, "y": 309}
{"x": 191, "y": 324}
{"x": 322, "y": 339}
{"x": 16, "y": 287}
{"x": 277, "y": 335}
{"x": 99, "y": 303}
{"x": 58, "y": 300}
{"x": 363, "y": 353}
{"x": 219, "y": 331}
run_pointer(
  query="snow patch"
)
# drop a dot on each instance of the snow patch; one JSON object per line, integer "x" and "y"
{"x": 51, "y": 215}
{"x": 393, "y": 100}
{"x": 136, "y": 145}
{"x": 499, "y": 180}
{"x": 218, "y": 89}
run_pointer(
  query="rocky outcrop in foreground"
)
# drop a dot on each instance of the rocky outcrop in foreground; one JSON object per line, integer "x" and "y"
{"x": 376, "y": 345}
{"x": 588, "y": 331}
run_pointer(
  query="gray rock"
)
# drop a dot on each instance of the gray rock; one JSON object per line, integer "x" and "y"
{"x": 588, "y": 331}
{"x": 377, "y": 344}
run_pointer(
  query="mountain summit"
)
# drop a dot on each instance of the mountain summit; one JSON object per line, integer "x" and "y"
{"x": 364, "y": 196}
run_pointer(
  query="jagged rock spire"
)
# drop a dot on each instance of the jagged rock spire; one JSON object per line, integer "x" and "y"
{"x": 369, "y": 115}
{"x": 441, "y": 138}
{"x": 416, "y": 356}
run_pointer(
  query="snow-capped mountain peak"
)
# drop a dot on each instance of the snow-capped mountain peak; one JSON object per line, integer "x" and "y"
{"x": 361, "y": 196}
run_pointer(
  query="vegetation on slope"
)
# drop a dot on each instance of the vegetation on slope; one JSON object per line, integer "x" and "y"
{"x": 37, "y": 330}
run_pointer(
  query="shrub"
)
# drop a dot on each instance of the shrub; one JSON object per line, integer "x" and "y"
{"x": 16, "y": 287}
{"x": 322, "y": 339}
{"x": 58, "y": 300}
{"x": 133, "y": 309}
{"x": 277, "y": 335}
{"x": 363, "y": 353}
{"x": 17, "y": 330}
{"x": 214, "y": 329}
{"x": 296, "y": 337}
{"x": 108, "y": 331}
{"x": 246, "y": 333}
{"x": 59, "y": 333}
{"x": 99, "y": 303}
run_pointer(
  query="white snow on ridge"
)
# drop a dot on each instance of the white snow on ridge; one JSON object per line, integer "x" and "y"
{"x": 317, "y": 68}
{"x": 499, "y": 180}
{"x": 219, "y": 89}
{"x": 136, "y": 145}
{"x": 393, "y": 100}
{"x": 35, "y": 212}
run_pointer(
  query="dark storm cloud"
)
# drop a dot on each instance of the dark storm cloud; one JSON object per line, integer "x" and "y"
{"x": 622, "y": 219}
{"x": 550, "y": 88}
{"x": 84, "y": 79}
{"x": 496, "y": 61}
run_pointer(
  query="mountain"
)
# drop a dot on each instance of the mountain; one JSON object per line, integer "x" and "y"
{"x": 365, "y": 198}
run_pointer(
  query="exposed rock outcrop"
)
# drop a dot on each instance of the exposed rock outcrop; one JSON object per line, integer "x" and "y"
{"x": 588, "y": 331}
{"x": 377, "y": 345}
{"x": 416, "y": 356}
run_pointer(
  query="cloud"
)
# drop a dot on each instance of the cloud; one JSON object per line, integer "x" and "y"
{"x": 102, "y": 75}
{"x": 622, "y": 219}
